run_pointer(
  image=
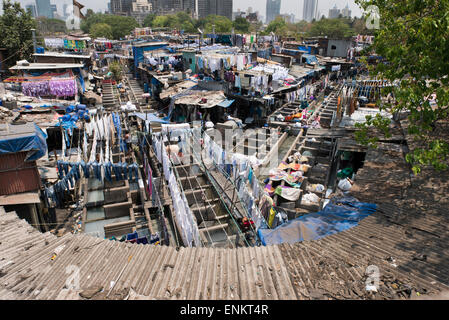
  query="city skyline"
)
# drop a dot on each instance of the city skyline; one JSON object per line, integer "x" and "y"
{"x": 287, "y": 6}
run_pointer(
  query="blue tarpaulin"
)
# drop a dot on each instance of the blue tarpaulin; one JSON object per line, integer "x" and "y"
{"x": 304, "y": 48}
{"x": 226, "y": 103}
{"x": 310, "y": 58}
{"x": 339, "y": 215}
{"x": 22, "y": 138}
{"x": 149, "y": 117}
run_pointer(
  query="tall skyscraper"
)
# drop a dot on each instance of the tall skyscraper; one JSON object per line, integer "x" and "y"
{"x": 31, "y": 8}
{"x": 43, "y": 8}
{"x": 310, "y": 9}
{"x": 65, "y": 12}
{"x": 346, "y": 12}
{"x": 121, "y": 7}
{"x": 224, "y": 8}
{"x": 188, "y": 6}
{"x": 54, "y": 10}
{"x": 167, "y": 6}
{"x": 215, "y": 7}
{"x": 273, "y": 9}
{"x": 334, "y": 12}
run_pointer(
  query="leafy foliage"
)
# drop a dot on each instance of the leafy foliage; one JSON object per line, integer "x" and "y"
{"x": 414, "y": 39}
{"x": 222, "y": 24}
{"x": 50, "y": 26}
{"x": 148, "y": 21}
{"x": 101, "y": 30}
{"x": 332, "y": 28}
{"x": 116, "y": 69}
{"x": 121, "y": 26}
{"x": 180, "y": 21}
{"x": 241, "y": 25}
{"x": 278, "y": 26}
{"x": 16, "y": 36}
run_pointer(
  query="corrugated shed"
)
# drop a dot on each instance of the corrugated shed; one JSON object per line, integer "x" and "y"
{"x": 16, "y": 175}
{"x": 27, "y": 270}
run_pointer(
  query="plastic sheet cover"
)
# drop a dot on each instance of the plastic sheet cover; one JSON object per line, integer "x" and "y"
{"x": 339, "y": 215}
{"x": 35, "y": 142}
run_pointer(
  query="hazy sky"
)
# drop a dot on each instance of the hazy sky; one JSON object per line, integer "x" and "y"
{"x": 287, "y": 6}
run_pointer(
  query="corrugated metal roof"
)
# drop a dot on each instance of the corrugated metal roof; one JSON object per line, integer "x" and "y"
{"x": 62, "y": 55}
{"x": 16, "y": 175}
{"x": 46, "y": 66}
{"x": 152, "y": 272}
{"x": 150, "y": 44}
{"x": 21, "y": 198}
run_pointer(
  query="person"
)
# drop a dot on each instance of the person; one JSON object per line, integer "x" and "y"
{"x": 246, "y": 224}
{"x": 128, "y": 141}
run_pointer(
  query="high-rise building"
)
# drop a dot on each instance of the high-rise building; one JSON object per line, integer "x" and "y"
{"x": 140, "y": 9}
{"x": 215, "y": 7}
{"x": 121, "y": 7}
{"x": 273, "y": 9}
{"x": 43, "y": 8}
{"x": 310, "y": 9}
{"x": 334, "y": 12}
{"x": 168, "y": 6}
{"x": 54, "y": 10}
{"x": 65, "y": 8}
{"x": 345, "y": 12}
{"x": 188, "y": 6}
{"x": 224, "y": 8}
{"x": 32, "y": 9}
{"x": 288, "y": 18}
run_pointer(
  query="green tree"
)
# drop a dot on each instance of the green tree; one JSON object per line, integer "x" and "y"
{"x": 50, "y": 26}
{"x": 116, "y": 69}
{"x": 183, "y": 17}
{"x": 332, "y": 28}
{"x": 222, "y": 24}
{"x": 188, "y": 27}
{"x": 16, "y": 36}
{"x": 101, "y": 30}
{"x": 148, "y": 21}
{"x": 89, "y": 13}
{"x": 87, "y": 23}
{"x": 161, "y": 22}
{"x": 414, "y": 39}
{"x": 277, "y": 26}
{"x": 241, "y": 25}
{"x": 256, "y": 26}
{"x": 121, "y": 25}
{"x": 303, "y": 26}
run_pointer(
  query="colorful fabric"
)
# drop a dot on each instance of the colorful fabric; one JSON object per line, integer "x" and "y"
{"x": 294, "y": 166}
{"x": 278, "y": 175}
{"x": 291, "y": 194}
{"x": 269, "y": 189}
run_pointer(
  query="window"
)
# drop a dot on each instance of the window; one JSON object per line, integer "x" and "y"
{"x": 190, "y": 61}
{"x": 333, "y": 47}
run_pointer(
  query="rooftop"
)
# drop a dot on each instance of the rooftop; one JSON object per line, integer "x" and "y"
{"x": 47, "y": 66}
{"x": 62, "y": 55}
{"x": 150, "y": 44}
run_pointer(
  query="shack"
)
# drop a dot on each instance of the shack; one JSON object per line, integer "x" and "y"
{"x": 20, "y": 184}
